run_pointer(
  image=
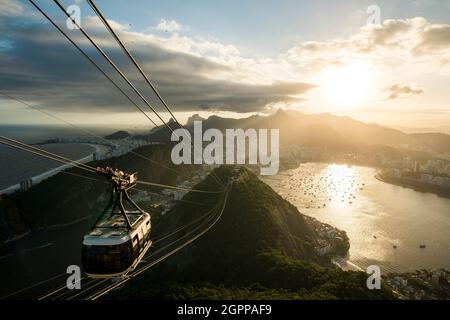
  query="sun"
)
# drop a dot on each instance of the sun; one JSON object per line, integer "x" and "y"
{"x": 347, "y": 86}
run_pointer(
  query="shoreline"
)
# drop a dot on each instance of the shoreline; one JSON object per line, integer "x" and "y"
{"x": 345, "y": 262}
{"x": 416, "y": 186}
{"x": 341, "y": 261}
{"x": 38, "y": 178}
{"x": 44, "y": 175}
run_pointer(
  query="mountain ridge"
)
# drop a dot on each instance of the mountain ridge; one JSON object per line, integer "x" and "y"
{"x": 297, "y": 128}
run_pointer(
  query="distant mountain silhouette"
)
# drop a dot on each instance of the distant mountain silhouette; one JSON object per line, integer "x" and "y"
{"x": 193, "y": 118}
{"x": 118, "y": 135}
{"x": 325, "y": 129}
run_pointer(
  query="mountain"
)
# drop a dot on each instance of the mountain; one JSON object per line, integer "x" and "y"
{"x": 195, "y": 117}
{"x": 261, "y": 248}
{"x": 326, "y": 130}
{"x": 439, "y": 129}
{"x": 117, "y": 135}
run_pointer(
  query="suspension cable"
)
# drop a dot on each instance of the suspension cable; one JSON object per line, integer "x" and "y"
{"x": 153, "y": 263}
{"x": 49, "y": 114}
{"x": 127, "y": 52}
{"x": 79, "y": 164}
{"x": 58, "y": 3}
{"x": 124, "y": 77}
{"x": 136, "y": 64}
{"x": 170, "y": 234}
{"x": 93, "y": 62}
{"x": 165, "y": 186}
{"x": 43, "y": 155}
{"x": 88, "y": 168}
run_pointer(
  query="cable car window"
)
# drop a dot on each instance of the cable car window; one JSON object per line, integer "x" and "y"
{"x": 107, "y": 259}
{"x": 141, "y": 239}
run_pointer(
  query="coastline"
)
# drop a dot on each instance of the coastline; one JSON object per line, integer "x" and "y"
{"x": 349, "y": 262}
{"x": 416, "y": 186}
{"x": 47, "y": 174}
{"x": 339, "y": 259}
{"x": 38, "y": 178}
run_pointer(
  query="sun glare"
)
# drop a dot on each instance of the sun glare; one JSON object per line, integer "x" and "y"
{"x": 345, "y": 86}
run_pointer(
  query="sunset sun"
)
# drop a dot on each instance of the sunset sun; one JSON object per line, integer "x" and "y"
{"x": 346, "y": 86}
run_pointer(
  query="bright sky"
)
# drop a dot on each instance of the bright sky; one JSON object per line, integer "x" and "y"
{"x": 236, "y": 58}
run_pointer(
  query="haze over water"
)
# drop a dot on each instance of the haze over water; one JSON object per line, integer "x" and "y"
{"x": 376, "y": 215}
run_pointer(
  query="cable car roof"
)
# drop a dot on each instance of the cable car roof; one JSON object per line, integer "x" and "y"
{"x": 113, "y": 230}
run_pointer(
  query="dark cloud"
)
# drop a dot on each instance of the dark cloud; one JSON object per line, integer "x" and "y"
{"x": 38, "y": 64}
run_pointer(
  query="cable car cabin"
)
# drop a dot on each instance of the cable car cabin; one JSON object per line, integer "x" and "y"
{"x": 112, "y": 249}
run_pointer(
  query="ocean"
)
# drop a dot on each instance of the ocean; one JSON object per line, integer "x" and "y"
{"x": 17, "y": 165}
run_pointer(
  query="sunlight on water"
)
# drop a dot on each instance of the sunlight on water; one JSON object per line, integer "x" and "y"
{"x": 376, "y": 216}
{"x": 340, "y": 183}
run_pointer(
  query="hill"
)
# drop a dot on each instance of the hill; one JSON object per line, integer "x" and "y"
{"x": 325, "y": 130}
{"x": 118, "y": 135}
{"x": 262, "y": 248}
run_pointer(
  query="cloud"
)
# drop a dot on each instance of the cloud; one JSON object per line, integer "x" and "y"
{"x": 413, "y": 43}
{"x": 168, "y": 26}
{"x": 434, "y": 39}
{"x": 197, "y": 73}
{"x": 11, "y": 8}
{"x": 39, "y": 65}
{"x": 397, "y": 91}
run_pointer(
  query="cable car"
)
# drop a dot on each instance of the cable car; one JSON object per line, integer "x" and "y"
{"x": 119, "y": 240}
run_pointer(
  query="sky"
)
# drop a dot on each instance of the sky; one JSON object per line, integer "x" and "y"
{"x": 385, "y": 62}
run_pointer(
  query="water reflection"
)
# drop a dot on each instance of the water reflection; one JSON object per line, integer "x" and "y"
{"x": 341, "y": 184}
{"x": 385, "y": 223}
